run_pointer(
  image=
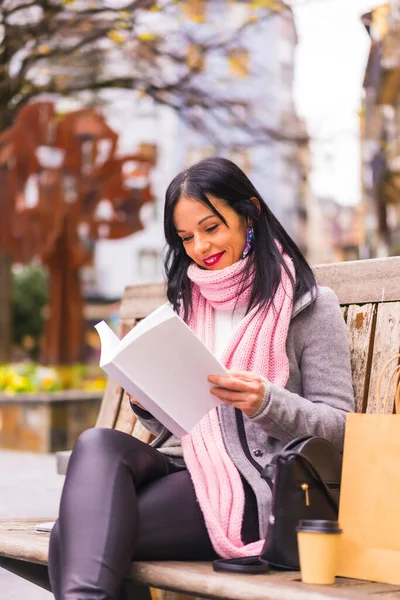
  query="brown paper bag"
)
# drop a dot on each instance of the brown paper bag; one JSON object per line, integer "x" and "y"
{"x": 369, "y": 511}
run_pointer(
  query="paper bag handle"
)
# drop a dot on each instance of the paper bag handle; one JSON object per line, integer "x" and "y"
{"x": 394, "y": 375}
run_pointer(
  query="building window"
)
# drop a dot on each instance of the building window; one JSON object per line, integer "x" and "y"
{"x": 239, "y": 63}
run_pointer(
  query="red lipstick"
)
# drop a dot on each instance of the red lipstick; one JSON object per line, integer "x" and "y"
{"x": 212, "y": 260}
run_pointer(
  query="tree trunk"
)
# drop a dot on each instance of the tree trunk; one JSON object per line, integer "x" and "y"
{"x": 5, "y": 272}
{"x": 64, "y": 332}
{"x": 5, "y": 308}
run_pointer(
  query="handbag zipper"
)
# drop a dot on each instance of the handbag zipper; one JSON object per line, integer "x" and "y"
{"x": 305, "y": 487}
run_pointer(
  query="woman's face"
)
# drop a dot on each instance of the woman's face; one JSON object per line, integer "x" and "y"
{"x": 206, "y": 239}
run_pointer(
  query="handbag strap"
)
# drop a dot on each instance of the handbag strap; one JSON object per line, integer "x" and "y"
{"x": 249, "y": 565}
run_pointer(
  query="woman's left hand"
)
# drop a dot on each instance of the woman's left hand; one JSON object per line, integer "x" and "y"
{"x": 241, "y": 389}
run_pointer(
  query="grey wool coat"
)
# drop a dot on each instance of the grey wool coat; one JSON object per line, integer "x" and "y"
{"x": 315, "y": 401}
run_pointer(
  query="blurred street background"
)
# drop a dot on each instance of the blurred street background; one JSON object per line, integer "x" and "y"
{"x": 29, "y": 487}
{"x": 102, "y": 103}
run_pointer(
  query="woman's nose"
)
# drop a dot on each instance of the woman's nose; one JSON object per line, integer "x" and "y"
{"x": 201, "y": 246}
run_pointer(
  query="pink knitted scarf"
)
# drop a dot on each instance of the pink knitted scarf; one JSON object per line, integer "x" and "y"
{"x": 258, "y": 344}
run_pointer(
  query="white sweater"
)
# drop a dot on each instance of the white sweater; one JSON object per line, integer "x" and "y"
{"x": 224, "y": 325}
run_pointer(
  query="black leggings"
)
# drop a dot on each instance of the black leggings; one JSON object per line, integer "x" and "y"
{"x": 122, "y": 499}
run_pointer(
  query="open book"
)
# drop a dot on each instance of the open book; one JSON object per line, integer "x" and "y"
{"x": 164, "y": 366}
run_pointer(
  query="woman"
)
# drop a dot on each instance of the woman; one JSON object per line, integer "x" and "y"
{"x": 244, "y": 287}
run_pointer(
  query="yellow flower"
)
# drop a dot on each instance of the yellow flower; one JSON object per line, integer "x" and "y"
{"x": 29, "y": 377}
{"x": 274, "y": 5}
{"x": 98, "y": 385}
{"x": 147, "y": 36}
{"x": 8, "y": 379}
{"x": 117, "y": 36}
{"x": 47, "y": 383}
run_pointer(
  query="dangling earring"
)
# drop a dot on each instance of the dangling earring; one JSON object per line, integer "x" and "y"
{"x": 249, "y": 241}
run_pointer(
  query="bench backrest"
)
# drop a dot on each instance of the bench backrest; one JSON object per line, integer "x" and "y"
{"x": 369, "y": 294}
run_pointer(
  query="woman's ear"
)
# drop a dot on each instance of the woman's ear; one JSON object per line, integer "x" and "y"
{"x": 256, "y": 203}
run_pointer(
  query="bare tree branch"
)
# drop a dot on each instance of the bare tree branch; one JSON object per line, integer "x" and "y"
{"x": 64, "y": 42}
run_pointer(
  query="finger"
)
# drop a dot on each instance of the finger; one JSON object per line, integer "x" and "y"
{"x": 232, "y": 396}
{"x": 245, "y": 375}
{"x": 254, "y": 385}
{"x": 234, "y": 384}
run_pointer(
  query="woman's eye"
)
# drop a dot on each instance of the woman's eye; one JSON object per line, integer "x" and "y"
{"x": 186, "y": 239}
{"x": 212, "y": 228}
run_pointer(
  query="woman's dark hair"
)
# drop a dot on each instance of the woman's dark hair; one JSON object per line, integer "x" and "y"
{"x": 221, "y": 178}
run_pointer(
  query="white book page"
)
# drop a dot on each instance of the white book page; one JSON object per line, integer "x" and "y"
{"x": 170, "y": 365}
{"x": 159, "y": 315}
{"x": 127, "y": 384}
{"x": 109, "y": 343}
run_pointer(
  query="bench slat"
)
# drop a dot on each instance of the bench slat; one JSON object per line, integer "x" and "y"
{"x": 20, "y": 541}
{"x": 167, "y": 595}
{"x": 278, "y": 585}
{"x": 126, "y": 417}
{"x": 140, "y": 300}
{"x": 364, "y": 281}
{"x": 109, "y": 405}
{"x": 386, "y": 345}
{"x": 360, "y": 327}
{"x": 354, "y": 282}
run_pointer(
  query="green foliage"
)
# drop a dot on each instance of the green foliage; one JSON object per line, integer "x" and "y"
{"x": 29, "y": 297}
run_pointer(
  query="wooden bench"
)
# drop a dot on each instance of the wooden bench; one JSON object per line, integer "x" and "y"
{"x": 369, "y": 293}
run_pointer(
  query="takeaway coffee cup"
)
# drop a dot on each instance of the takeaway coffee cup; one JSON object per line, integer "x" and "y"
{"x": 318, "y": 550}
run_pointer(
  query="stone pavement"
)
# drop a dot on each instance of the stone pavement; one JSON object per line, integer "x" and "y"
{"x": 29, "y": 487}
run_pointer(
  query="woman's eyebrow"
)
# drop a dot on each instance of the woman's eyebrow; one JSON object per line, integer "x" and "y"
{"x": 199, "y": 223}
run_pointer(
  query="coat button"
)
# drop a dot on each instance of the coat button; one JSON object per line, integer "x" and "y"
{"x": 257, "y": 453}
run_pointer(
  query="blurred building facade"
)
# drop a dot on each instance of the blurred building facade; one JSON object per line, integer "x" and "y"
{"x": 336, "y": 231}
{"x": 262, "y": 73}
{"x": 380, "y": 132}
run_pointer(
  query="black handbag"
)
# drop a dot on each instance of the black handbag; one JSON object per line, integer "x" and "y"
{"x": 305, "y": 482}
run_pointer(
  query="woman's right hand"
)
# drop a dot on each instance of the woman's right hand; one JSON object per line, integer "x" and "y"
{"x": 133, "y": 401}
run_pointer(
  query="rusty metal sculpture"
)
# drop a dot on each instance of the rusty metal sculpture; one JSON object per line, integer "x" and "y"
{"x": 63, "y": 187}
